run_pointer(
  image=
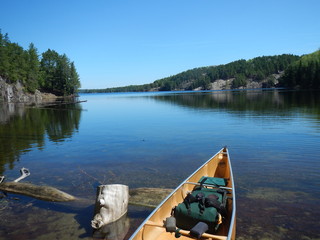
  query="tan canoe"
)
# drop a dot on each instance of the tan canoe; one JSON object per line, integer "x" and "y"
{"x": 219, "y": 166}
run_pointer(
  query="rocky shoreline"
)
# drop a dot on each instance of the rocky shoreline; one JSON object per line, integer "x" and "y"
{"x": 226, "y": 84}
{"x": 221, "y": 84}
{"x": 14, "y": 93}
{"x": 13, "y": 100}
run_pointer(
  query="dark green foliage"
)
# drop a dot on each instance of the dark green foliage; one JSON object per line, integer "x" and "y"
{"x": 271, "y": 82}
{"x": 74, "y": 81}
{"x": 304, "y": 73}
{"x": 33, "y": 71}
{"x": 54, "y": 73}
{"x": 13, "y": 60}
{"x": 49, "y": 64}
{"x": 60, "y": 74}
{"x": 239, "y": 81}
{"x": 256, "y": 69}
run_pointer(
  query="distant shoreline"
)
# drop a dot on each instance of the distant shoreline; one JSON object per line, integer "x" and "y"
{"x": 194, "y": 91}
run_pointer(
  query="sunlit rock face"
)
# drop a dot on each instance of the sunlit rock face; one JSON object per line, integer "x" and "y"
{"x": 14, "y": 93}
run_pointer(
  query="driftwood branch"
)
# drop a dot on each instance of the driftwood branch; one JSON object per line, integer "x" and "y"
{"x": 90, "y": 176}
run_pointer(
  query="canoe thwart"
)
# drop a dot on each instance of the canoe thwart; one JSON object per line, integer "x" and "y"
{"x": 207, "y": 185}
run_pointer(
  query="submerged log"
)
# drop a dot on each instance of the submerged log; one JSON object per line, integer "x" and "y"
{"x": 148, "y": 197}
{"x": 45, "y": 193}
{"x": 111, "y": 204}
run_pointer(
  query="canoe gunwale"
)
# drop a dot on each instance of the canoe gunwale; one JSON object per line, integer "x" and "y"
{"x": 231, "y": 232}
{"x": 223, "y": 151}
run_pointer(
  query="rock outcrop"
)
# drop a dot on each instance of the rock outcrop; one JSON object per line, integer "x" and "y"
{"x": 14, "y": 93}
{"x": 221, "y": 84}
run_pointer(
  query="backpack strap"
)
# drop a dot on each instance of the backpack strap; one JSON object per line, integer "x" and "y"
{"x": 189, "y": 199}
{"x": 212, "y": 201}
{"x": 201, "y": 205}
{"x": 200, "y": 198}
{"x": 224, "y": 193}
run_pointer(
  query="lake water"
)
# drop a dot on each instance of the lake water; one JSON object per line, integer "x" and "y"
{"x": 157, "y": 140}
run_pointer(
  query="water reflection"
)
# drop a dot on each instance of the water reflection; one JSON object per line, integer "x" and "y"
{"x": 157, "y": 140}
{"x": 114, "y": 231}
{"x": 23, "y": 128}
{"x": 274, "y": 102}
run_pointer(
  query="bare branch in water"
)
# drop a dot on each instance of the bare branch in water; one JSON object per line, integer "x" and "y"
{"x": 90, "y": 176}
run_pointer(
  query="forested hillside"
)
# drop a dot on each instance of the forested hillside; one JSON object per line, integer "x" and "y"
{"x": 256, "y": 69}
{"x": 52, "y": 72}
{"x": 304, "y": 73}
{"x": 239, "y": 72}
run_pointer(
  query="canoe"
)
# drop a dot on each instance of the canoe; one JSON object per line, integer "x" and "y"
{"x": 155, "y": 227}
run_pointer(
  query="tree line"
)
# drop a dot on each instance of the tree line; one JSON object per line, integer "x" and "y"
{"x": 304, "y": 73}
{"x": 256, "y": 69}
{"x": 52, "y": 72}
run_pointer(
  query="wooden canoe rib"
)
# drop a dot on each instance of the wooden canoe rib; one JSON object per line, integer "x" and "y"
{"x": 218, "y": 166}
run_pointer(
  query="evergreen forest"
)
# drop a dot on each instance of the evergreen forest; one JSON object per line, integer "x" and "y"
{"x": 257, "y": 69}
{"x": 304, "y": 73}
{"x": 301, "y": 72}
{"x": 51, "y": 72}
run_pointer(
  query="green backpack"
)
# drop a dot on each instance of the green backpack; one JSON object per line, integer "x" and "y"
{"x": 201, "y": 205}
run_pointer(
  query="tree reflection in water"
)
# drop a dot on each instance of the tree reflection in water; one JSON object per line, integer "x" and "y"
{"x": 23, "y": 128}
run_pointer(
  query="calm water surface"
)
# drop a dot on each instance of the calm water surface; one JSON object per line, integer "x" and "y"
{"x": 157, "y": 140}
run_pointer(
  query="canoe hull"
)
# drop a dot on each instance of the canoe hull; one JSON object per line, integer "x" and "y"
{"x": 217, "y": 166}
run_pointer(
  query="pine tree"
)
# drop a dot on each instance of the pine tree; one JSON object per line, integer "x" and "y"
{"x": 48, "y": 66}
{"x": 60, "y": 76}
{"x": 33, "y": 71}
{"x": 74, "y": 83}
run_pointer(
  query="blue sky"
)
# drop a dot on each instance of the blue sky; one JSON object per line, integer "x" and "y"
{"x": 121, "y": 42}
